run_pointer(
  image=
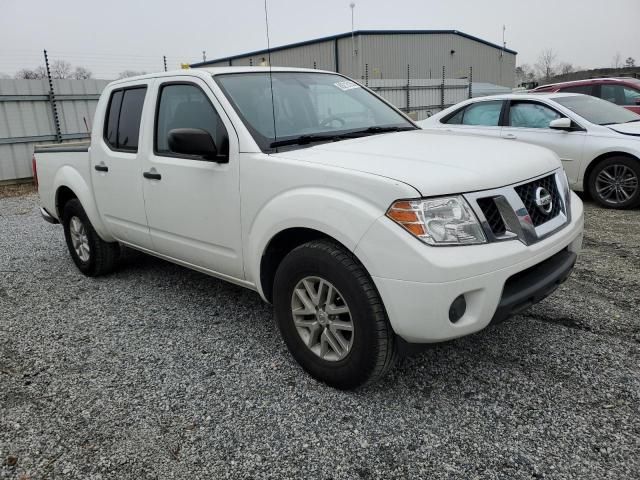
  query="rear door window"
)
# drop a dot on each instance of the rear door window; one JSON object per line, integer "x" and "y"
{"x": 483, "y": 113}
{"x": 613, "y": 94}
{"x": 122, "y": 124}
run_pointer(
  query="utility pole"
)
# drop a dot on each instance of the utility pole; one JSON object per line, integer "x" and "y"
{"x": 164, "y": 59}
{"x": 204, "y": 56}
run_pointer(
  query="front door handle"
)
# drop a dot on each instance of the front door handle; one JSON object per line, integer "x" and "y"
{"x": 510, "y": 136}
{"x": 152, "y": 175}
{"x": 101, "y": 168}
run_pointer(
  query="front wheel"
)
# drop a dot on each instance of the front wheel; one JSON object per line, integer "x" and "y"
{"x": 92, "y": 255}
{"x": 331, "y": 316}
{"x": 614, "y": 182}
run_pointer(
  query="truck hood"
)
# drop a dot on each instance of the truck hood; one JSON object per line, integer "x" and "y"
{"x": 434, "y": 162}
{"x": 631, "y": 128}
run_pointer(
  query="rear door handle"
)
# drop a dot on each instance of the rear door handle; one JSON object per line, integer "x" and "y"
{"x": 510, "y": 136}
{"x": 152, "y": 175}
{"x": 101, "y": 168}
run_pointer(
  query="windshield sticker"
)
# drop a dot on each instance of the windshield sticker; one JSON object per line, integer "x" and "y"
{"x": 346, "y": 85}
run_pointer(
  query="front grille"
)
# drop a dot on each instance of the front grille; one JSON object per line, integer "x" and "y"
{"x": 492, "y": 214}
{"x": 527, "y": 194}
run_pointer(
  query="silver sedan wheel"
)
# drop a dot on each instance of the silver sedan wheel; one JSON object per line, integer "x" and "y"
{"x": 322, "y": 318}
{"x": 616, "y": 184}
{"x": 79, "y": 238}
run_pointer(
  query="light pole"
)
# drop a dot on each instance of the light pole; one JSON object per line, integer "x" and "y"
{"x": 352, "y": 5}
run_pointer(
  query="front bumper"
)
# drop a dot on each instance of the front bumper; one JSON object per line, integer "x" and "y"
{"x": 418, "y": 283}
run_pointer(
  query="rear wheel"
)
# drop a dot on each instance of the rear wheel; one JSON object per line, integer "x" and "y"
{"x": 615, "y": 182}
{"x": 92, "y": 255}
{"x": 331, "y": 316}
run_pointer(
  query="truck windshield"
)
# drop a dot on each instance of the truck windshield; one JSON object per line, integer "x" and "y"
{"x": 307, "y": 106}
{"x": 597, "y": 111}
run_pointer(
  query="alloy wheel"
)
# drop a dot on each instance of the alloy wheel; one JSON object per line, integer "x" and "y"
{"x": 616, "y": 184}
{"x": 79, "y": 238}
{"x": 322, "y": 318}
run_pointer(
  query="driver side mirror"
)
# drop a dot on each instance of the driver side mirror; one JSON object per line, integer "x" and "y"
{"x": 194, "y": 141}
{"x": 561, "y": 124}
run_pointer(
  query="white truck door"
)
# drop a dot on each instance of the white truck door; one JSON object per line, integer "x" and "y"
{"x": 193, "y": 204}
{"x": 528, "y": 121}
{"x": 116, "y": 170}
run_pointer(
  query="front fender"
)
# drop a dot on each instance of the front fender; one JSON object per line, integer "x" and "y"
{"x": 69, "y": 177}
{"x": 338, "y": 214}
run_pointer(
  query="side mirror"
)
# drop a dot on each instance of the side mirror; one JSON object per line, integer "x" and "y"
{"x": 193, "y": 141}
{"x": 637, "y": 100}
{"x": 560, "y": 124}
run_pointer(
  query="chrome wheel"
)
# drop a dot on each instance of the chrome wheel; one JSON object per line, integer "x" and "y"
{"x": 616, "y": 184}
{"x": 322, "y": 318}
{"x": 79, "y": 238}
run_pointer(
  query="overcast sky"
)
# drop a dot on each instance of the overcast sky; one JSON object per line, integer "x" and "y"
{"x": 111, "y": 36}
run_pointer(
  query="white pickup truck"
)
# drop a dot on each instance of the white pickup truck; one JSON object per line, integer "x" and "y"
{"x": 366, "y": 233}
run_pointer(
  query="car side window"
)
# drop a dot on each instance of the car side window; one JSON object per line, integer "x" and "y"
{"x": 631, "y": 96}
{"x": 584, "y": 89}
{"x": 483, "y": 113}
{"x": 122, "y": 123}
{"x": 613, "y": 94}
{"x": 187, "y": 106}
{"x": 531, "y": 115}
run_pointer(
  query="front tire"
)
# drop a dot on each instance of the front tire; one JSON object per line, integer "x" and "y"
{"x": 331, "y": 316}
{"x": 614, "y": 183}
{"x": 92, "y": 255}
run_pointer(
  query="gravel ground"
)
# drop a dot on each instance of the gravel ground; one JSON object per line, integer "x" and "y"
{"x": 160, "y": 372}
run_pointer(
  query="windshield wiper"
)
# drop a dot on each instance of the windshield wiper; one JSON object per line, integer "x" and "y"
{"x": 332, "y": 137}
{"x": 374, "y": 130}
{"x": 303, "y": 140}
{"x": 631, "y": 121}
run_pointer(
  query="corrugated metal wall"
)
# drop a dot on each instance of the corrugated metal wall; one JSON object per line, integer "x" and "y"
{"x": 26, "y": 118}
{"x": 387, "y": 56}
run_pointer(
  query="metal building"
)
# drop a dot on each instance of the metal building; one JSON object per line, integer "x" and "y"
{"x": 392, "y": 54}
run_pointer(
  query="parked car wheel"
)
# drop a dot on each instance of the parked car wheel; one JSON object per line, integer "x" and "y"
{"x": 92, "y": 255}
{"x": 331, "y": 316}
{"x": 614, "y": 182}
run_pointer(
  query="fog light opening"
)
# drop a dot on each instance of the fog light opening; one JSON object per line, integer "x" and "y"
{"x": 457, "y": 309}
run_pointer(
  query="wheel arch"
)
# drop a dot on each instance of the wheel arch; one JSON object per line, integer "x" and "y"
{"x": 280, "y": 245}
{"x": 69, "y": 183}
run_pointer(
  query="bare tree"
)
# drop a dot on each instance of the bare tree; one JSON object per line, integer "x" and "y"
{"x": 524, "y": 73}
{"x": 31, "y": 74}
{"x": 546, "y": 63}
{"x": 130, "y": 73}
{"x": 566, "y": 67}
{"x": 617, "y": 60}
{"x": 82, "y": 73}
{"x": 60, "y": 69}
{"x": 630, "y": 62}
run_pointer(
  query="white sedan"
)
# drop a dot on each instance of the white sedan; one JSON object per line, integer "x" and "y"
{"x": 597, "y": 141}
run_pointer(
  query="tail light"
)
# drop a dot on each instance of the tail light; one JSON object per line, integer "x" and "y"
{"x": 34, "y": 167}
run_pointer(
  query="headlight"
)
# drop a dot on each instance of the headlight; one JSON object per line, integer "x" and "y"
{"x": 438, "y": 221}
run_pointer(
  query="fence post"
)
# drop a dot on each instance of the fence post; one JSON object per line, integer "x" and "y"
{"x": 470, "y": 82}
{"x": 442, "y": 91}
{"x": 315, "y": 67}
{"x": 52, "y": 100}
{"x": 408, "y": 93}
{"x": 366, "y": 74}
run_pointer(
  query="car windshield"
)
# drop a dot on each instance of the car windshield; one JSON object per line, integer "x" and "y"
{"x": 307, "y": 107}
{"x": 596, "y": 110}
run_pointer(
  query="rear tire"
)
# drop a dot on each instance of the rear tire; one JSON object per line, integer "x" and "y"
{"x": 92, "y": 255}
{"x": 348, "y": 314}
{"x": 615, "y": 183}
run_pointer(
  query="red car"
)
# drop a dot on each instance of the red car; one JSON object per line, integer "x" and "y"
{"x": 621, "y": 91}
